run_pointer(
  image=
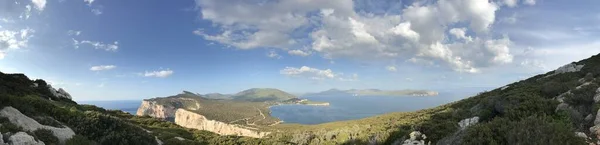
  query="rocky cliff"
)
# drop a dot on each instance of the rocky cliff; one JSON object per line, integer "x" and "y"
{"x": 193, "y": 120}
{"x": 156, "y": 110}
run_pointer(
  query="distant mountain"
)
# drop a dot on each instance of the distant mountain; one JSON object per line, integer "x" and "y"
{"x": 262, "y": 94}
{"x": 217, "y": 96}
{"x": 374, "y": 92}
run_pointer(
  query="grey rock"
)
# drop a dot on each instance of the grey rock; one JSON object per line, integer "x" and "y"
{"x": 22, "y": 138}
{"x": 571, "y": 67}
{"x": 562, "y": 106}
{"x": 468, "y": 122}
{"x": 29, "y": 124}
{"x": 158, "y": 141}
{"x": 60, "y": 93}
{"x": 597, "y": 120}
{"x": 416, "y": 138}
{"x": 503, "y": 88}
{"x": 179, "y": 138}
{"x": 581, "y": 134}
{"x": 1, "y": 139}
{"x": 597, "y": 96}
{"x": 588, "y": 118}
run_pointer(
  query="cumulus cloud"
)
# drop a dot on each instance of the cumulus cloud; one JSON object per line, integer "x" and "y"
{"x": 338, "y": 30}
{"x": 391, "y": 68}
{"x": 12, "y": 40}
{"x": 159, "y": 73}
{"x": 102, "y": 67}
{"x": 299, "y": 52}
{"x": 89, "y": 2}
{"x": 529, "y": 2}
{"x": 317, "y": 74}
{"x": 97, "y": 45}
{"x": 73, "y": 33}
{"x": 273, "y": 54}
{"x": 39, "y": 4}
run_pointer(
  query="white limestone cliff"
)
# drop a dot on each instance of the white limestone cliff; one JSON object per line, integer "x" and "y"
{"x": 190, "y": 119}
{"x": 28, "y": 124}
{"x": 153, "y": 109}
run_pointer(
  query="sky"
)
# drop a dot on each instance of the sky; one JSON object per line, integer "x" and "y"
{"x": 128, "y": 49}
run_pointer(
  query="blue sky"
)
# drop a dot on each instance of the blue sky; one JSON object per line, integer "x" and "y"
{"x": 123, "y": 50}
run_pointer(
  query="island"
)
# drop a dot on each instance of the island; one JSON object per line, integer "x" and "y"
{"x": 374, "y": 92}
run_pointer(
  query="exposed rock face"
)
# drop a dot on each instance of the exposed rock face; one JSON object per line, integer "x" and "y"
{"x": 60, "y": 93}
{"x": 22, "y": 138}
{"x": 155, "y": 110}
{"x": 416, "y": 138}
{"x": 193, "y": 120}
{"x": 158, "y": 142}
{"x": 595, "y": 130}
{"x": 29, "y": 124}
{"x": 468, "y": 122}
{"x": 571, "y": 67}
{"x": 597, "y": 96}
{"x": 179, "y": 138}
{"x": 503, "y": 88}
{"x": 1, "y": 139}
{"x": 581, "y": 134}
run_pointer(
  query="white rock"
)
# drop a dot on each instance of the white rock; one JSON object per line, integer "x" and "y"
{"x": 60, "y": 93}
{"x": 581, "y": 134}
{"x": 28, "y": 124}
{"x": 1, "y": 139}
{"x": 597, "y": 96}
{"x": 571, "y": 67}
{"x": 468, "y": 122}
{"x": 416, "y": 138}
{"x": 158, "y": 141}
{"x": 179, "y": 138}
{"x": 22, "y": 138}
{"x": 193, "y": 120}
{"x": 597, "y": 120}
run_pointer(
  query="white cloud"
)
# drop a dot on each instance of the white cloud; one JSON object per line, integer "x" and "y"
{"x": 299, "y": 52}
{"x": 529, "y": 2}
{"x": 391, "y": 68}
{"x": 97, "y": 45}
{"x": 312, "y": 73}
{"x": 73, "y": 33}
{"x": 159, "y": 73}
{"x": 510, "y": 3}
{"x": 420, "y": 31}
{"x": 273, "y": 54}
{"x": 89, "y": 2}
{"x": 39, "y": 4}
{"x": 102, "y": 67}
{"x": 97, "y": 11}
{"x": 12, "y": 40}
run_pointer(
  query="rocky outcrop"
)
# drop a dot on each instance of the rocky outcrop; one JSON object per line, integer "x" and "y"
{"x": 597, "y": 96}
{"x": 28, "y": 124}
{"x": 571, "y": 67}
{"x": 416, "y": 138}
{"x": 152, "y": 108}
{"x": 190, "y": 119}
{"x": 158, "y": 141}
{"x": 463, "y": 124}
{"x": 1, "y": 139}
{"x": 60, "y": 93}
{"x": 179, "y": 138}
{"x": 22, "y": 138}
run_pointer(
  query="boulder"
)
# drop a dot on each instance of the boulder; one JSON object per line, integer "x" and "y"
{"x": 179, "y": 138}
{"x": 1, "y": 139}
{"x": 597, "y": 120}
{"x": 60, "y": 93}
{"x": 588, "y": 118}
{"x": 468, "y": 122}
{"x": 22, "y": 138}
{"x": 416, "y": 138}
{"x": 29, "y": 124}
{"x": 581, "y": 134}
{"x": 597, "y": 96}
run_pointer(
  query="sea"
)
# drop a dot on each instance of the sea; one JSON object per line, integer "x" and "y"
{"x": 341, "y": 107}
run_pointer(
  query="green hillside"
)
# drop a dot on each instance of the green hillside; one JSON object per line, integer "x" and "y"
{"x": 262, "y": 95}
{"x": 553, "y": 108}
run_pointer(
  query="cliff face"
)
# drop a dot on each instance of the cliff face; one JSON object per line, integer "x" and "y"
{"x": 152, "y": 108}
{"x": 193, "y": 120}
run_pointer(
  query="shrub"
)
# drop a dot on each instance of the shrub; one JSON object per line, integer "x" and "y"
{"x": 7, "y": 126}
{"x": 46, "y": 136}
{"x": 79, "y": 140}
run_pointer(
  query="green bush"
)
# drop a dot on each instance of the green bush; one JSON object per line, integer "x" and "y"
{"x": 7, "y": 126}
{"x": 79, "y": 140}
{"x": 46, "y": 136}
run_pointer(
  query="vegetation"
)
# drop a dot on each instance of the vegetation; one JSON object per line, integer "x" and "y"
{"x": 525, "y": 112}
{"x": 262, "y": 95}
{"x": 46, "y": 136}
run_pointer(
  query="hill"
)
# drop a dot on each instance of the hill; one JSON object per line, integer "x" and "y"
{"x": 254, "y": 95}
{"x": 373, "y": 92}
{"x": 559, "y": 107}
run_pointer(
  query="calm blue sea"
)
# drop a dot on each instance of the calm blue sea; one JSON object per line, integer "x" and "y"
{"x": 129, "y": 106}
{"x": 340, "y": 108}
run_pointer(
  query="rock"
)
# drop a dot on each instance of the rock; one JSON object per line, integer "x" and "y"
{"x": 1, "y": 139}
{"x": 562, "y": 106}
{"x": 152, "y": 108}
{"x": 416, "y": 138}
{"x": 581, "y": 134}
{"x": 22, "y": 138}
{"x": 503, "y": 88}
{"x": 60, "y": 93}
{"x": 583, "y": 85}
{"x": 190, "y": 119}
{"x": 571, "y": 67}
{"x": 597, "y": 120}
{"x": 468, "y": 122}
{"x": 179, "y": 138}
{"x": 28, "y": 124}
{"x": 158, "y": 142}
{"x": 597, "y": 96}
{"x": 588, "y": 118}
{"x": 561, "y": 98}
